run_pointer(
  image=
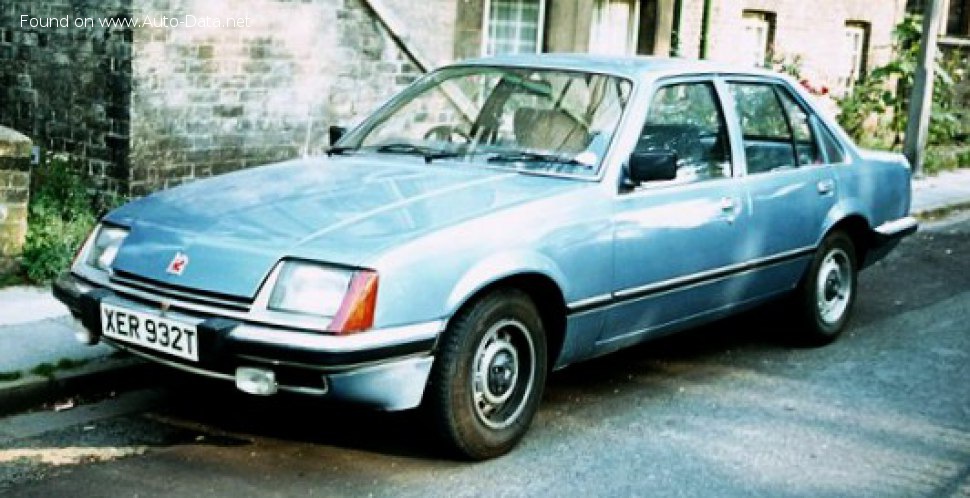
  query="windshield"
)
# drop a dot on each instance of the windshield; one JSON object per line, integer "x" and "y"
{"x": 548, "y": 121}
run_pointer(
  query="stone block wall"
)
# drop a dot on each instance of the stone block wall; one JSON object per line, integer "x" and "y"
{"x": 67, "y": 85}
{"x": 14, "y": 192}
{"x": 813, "y": 30}
{"x": 164, "y": 95}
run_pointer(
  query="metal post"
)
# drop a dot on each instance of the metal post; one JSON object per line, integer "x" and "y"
{"x": 921, "y": 98}
{"x": 706, "y": 30}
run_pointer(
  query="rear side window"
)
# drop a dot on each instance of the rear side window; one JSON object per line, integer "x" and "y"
{"x": 806, "y": 146}
{"x": 777, "y": 130}
{"x": 830, "y": 146}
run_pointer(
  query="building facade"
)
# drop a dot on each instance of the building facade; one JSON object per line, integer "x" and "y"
{"x": 144, "y": 104}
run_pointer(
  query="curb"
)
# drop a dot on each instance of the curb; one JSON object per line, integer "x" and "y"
{"x": 103, "y": 375}
{"x": 936, "y": 213}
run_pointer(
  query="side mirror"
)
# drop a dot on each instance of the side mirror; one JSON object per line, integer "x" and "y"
{"x": 652, "y": 166}
{"x": 336, "y": 133}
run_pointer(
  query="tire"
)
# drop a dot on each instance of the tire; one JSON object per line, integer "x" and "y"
{"x": 489, "y": 375}
{"x": 826, "y": 295}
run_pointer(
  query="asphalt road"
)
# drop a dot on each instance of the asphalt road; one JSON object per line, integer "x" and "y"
{"x": 731, "y": 409}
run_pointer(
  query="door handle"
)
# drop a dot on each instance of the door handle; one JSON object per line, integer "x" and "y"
{"x": 729, "y": 206}
{"x": 825, "y": 186}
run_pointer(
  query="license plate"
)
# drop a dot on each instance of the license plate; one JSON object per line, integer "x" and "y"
{"x": 151, "y": 331}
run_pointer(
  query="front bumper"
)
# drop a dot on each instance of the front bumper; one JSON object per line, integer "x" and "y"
{"x": 384, "y": 368}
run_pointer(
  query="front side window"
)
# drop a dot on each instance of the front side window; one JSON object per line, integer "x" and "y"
{"x": 685, "y": 119}
{"x": 522, "y": 118}
{"x": 513, "y": 26}
{"x": 777, "y": 130}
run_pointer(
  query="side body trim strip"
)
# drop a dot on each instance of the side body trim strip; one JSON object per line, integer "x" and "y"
{"x": 664, "y": 286}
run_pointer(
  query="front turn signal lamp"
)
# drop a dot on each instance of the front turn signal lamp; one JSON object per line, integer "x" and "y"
{"x": 347, "y": 296}
{"x": 356, "y": 312}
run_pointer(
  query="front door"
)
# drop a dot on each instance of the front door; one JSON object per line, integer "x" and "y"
{"x": 678, "y": 242}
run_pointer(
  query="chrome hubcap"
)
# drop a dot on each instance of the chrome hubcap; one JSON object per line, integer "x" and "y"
{"x": 502, "y": 373}
{"x": 834, "y": 286}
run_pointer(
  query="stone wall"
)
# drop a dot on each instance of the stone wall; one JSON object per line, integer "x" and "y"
{"x": 68, "y": 86}
{"x": 14, "y": 191}
{"x": 208, "y": 100}
{"x": 812, "y": 30}
{"x": 152, "y": 104}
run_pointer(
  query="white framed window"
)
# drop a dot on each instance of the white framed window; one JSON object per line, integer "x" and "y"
{"x": 615, "y": 27}
{"x": 958, "y": 19}
{"x": 856, "y": 49}
{"x": 513, "y": 26}
{"x": 757, "y": 33}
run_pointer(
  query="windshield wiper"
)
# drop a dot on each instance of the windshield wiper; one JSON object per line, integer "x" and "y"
{"x": 535, "y": 157}
{"x": 339, "y": 150}
{"x": 429, "y": 154}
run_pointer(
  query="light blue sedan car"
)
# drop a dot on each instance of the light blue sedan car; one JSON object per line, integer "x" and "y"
{"x": 499, "y": 219}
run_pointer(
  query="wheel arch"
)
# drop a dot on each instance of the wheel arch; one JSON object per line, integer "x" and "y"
{"x": 548, "y": 297}
{"x": 859, "y": 231}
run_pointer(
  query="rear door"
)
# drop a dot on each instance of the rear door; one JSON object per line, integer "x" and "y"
{"x": 788, "y": 182}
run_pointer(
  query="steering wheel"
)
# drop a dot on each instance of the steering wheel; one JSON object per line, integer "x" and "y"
{"x": 447, "y": 133}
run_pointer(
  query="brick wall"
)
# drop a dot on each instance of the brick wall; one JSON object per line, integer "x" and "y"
{"x": 68, "y": 87}
{"x": 14, "y": 188}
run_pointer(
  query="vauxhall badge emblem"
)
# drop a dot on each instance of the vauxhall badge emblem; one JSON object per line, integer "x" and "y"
{"x": 178, "y": 264}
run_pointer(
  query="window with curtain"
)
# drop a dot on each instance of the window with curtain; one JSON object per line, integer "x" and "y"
{"x": 758, "y": 36}
{"x": 857, "y": 49}
{"x": 614, "y": 28}
{"x": 513, "y": 26}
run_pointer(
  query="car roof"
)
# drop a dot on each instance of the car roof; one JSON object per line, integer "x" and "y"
{"x": 633, "y": 67}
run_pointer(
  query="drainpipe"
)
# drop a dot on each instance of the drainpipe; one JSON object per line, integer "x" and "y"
{"x": 675, "y": 28}
{"x": 706, "y": 29}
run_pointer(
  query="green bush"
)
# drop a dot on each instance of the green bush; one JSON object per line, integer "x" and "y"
{"x": 885, "y": 92}
{"x": 937, "y": 161}
{"x": 963, "y": 159}
{"x": 61, "y": 213}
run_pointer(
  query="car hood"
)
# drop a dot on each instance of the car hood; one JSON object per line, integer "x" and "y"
{"x": 234, "y": 228}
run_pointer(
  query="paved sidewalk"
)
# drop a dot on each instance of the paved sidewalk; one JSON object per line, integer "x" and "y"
{"x": 945, "y": 191}
{"x": 35, "y": 328}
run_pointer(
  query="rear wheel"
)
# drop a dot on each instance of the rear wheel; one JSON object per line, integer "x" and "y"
{"x": 489, "y": 375}
{"x": 827, "y": 293}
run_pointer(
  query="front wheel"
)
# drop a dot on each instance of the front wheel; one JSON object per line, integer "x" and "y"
{"x": 489, "y": 375}
{"x": 827, "y": 293}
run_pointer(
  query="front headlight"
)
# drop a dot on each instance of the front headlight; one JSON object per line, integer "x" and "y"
{"x": 309, "y": 289}
{"x": 105, "y": 247}
{"x": 347, "y": 297}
